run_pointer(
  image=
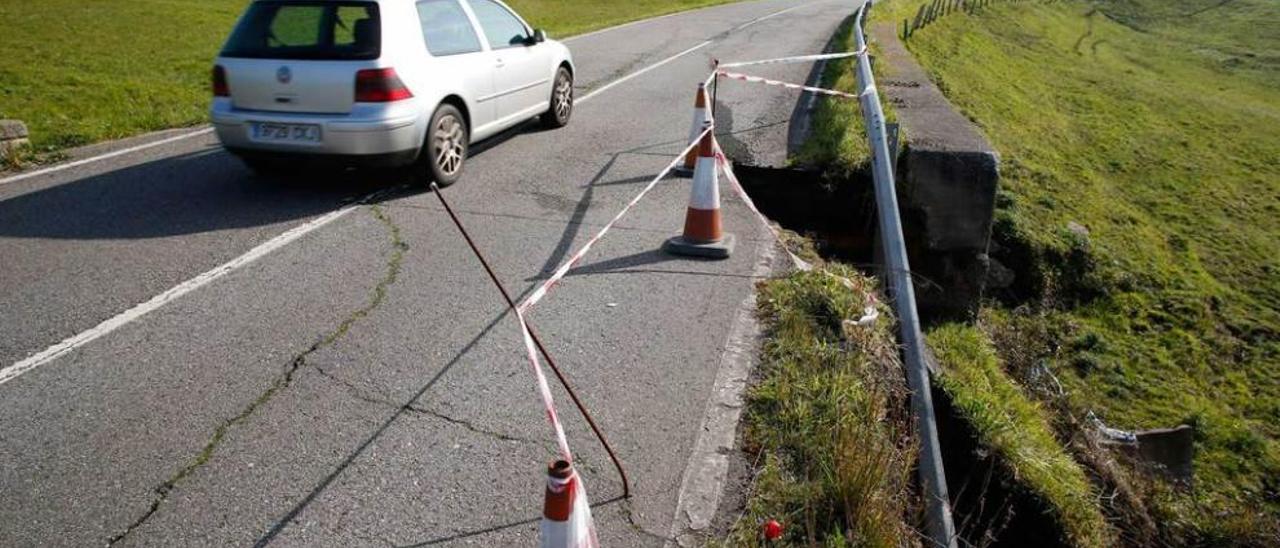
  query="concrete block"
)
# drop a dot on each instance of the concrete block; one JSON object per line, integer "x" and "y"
{"x": 947, "y": 181}
{"x": 13, "y": 135}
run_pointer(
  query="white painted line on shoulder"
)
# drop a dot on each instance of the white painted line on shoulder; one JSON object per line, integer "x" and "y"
{"x": 766, "y": 17}
{"x": 610, "y": 85}
{"x": 703, "y": 482}
{"x": 704, "y": 44}
{"x": 54, "y": 352}
{"x": 113, "y": 154}
{"x": 660, "y": 17}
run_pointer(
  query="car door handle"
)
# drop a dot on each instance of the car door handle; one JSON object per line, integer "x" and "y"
{"x": 500, "y": 63}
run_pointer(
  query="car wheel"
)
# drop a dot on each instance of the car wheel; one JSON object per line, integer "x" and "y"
{"x": 446, "y": 147}
{"x": 557, "y": 116}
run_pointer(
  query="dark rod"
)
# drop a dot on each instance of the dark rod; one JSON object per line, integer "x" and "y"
{"x": 626, "y": 484}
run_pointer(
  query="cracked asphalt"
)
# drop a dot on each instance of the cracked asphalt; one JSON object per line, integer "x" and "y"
{"x": 364, "y": 385}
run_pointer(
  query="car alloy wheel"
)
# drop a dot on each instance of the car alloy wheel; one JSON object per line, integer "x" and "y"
{"x": 450, "y": 144}
{"x": 564, "y": 97}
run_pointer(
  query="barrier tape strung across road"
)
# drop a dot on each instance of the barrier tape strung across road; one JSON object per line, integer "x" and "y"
{"x": 531, "y": 353}
{"x": 560, "y": 273}
{"x": 870, "y": 313}
{"x": 789, "y": 85}
{"x": 795, "y": 59}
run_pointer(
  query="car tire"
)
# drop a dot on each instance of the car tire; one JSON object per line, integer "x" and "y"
{"x": 445, "y": 150}
{"x": 561, "y": 109}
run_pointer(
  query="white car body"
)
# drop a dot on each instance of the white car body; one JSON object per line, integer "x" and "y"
{"x": 495, "y": 88}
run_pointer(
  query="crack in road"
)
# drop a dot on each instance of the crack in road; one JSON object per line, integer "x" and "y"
{"x": 379, "y": 294}
{"x": 470, "y": 426}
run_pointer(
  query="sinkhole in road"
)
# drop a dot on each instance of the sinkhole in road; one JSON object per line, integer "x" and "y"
{"x": 838, "y": 214}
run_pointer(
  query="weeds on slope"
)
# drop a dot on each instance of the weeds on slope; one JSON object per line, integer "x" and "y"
{"x": 828, "y": 418}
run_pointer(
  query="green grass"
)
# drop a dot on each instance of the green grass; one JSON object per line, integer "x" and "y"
{"x": 827, "y": 419}
{"x": 1159, "y": 131}
{"x": 1018, "y": 430}
{"x": 837, "y": 142}
{"x": 79, "y": 71}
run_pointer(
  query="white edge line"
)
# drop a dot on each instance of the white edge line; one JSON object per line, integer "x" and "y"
{"x": 703, "y": 483}
{"x": 14, "y": 371}
{"x": 113, "y": 154}
{"x": 657, "y": 18}
{"x": 204, "y": 131}
{"x": 606, "y": 87}
{"x": 770, "y": 16}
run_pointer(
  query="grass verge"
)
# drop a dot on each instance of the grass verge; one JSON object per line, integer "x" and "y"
{"x": 828, "y": 420}
{"x": 1018, "y": 430}
{"x": 1140, "y": 209}
{"x": 837, "y": 142}
{"x": 79, "y": 72}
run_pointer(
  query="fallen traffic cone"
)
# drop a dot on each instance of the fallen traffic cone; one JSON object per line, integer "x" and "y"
{"x": 566, "y": 516}
{"x": 703, "y": 233}
{"x": 701, "y": 115}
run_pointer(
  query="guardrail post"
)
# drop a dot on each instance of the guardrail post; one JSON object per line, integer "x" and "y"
{"x": 933, "y": 479}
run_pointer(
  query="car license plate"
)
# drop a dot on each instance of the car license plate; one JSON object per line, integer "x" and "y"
{"x": 286, "y": 133}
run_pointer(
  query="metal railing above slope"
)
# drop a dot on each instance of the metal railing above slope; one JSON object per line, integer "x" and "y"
{"x": 933, "y": 479}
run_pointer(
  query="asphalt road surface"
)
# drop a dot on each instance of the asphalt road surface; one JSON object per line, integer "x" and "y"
{"x": 352, "y": 378}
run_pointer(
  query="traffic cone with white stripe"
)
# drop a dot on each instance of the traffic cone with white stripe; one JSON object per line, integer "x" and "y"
{"x": 701, "y": 115}
{"x": 566, "y": 516}
{"x": 704, "y": 234}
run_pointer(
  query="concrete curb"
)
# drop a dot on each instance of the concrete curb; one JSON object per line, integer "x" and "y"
{"x": 13, "y": 136}
{"x": 703, "y": 483}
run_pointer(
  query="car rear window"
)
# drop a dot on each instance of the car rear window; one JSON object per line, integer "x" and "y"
{"x": 307, "y": 30}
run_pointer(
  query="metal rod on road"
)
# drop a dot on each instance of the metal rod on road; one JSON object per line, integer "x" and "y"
{"x": 626, "y": 484}
{"x": 933, "y": 479}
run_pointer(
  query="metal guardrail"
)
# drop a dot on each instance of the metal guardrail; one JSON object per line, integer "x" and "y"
{"x": 933, "y": 479}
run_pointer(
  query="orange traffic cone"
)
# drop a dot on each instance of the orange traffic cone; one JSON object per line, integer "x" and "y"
{"x": 701, "y": 115}
{"x": 703, "y": 232}
{"x": 566, "y": 516}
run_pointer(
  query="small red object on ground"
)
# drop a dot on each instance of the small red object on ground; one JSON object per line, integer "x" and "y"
{"x": 772, "y": 530}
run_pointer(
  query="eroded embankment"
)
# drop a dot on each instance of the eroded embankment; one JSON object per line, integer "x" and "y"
{"x": 993, "y": 504}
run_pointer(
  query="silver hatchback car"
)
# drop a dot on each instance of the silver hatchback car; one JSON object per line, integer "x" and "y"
{"x": 383, "y": 82}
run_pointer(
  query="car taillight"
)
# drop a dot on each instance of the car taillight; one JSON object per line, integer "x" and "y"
{"x": 220, "y": 88}
{"x": 380, "y": 86}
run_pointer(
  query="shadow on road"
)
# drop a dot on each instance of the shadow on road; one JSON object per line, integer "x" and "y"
{"x": 192, "y": 193}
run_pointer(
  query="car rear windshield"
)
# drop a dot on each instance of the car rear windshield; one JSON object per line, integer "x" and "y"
{"x": 307, "y": 30}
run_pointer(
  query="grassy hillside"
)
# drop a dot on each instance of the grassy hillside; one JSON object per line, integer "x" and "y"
{"x": 1155, "y": 126}
{"x": 80, "y": 71}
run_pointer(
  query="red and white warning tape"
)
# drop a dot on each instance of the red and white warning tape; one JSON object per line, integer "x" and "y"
{"x": 531, "y": 352}
{"x": 789, "y": 85}
{"x": 795, "y": 59}
{"x": 870, "y": 312}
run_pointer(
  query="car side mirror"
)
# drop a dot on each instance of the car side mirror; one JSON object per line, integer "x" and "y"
{"x": 539, "y": 36}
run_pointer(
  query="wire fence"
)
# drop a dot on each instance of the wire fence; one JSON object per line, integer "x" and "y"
{"x": 937, "y": 9}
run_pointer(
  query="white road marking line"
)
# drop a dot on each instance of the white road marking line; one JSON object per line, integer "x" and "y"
{"x": 606, "y": 87}
{"x": 770, "y": 16}
{"x": 54, "y": 352}
{"x": 660, "y": 17}
{"x": 704, "y": 44}
{"x": 36, "y": 360}
{"x": 121, "y": 152}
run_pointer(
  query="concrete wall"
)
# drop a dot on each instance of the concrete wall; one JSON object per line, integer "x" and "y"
{"x": 948, "y": 174}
